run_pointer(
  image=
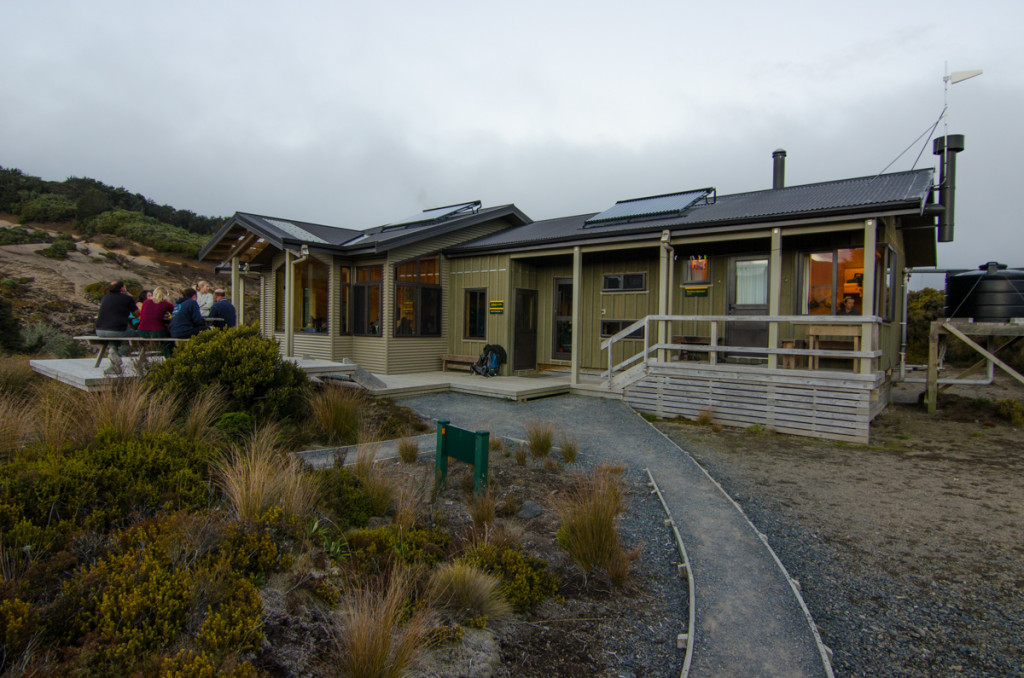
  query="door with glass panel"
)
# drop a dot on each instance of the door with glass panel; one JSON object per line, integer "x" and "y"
{"x": 748, "y": 295}
{"x": 562, "y": 321}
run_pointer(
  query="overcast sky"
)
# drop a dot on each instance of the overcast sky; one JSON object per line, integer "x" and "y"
{"x": 357, "y": 114}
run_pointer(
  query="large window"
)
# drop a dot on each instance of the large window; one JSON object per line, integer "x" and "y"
{"x": 476, "y": 314}
{"x": 833, "y": 282}
{"x": 344, "y": 296}
{"x": 418, "y": 297}
{"x": 309, "y": 297}
{"x": 366, "y": 298}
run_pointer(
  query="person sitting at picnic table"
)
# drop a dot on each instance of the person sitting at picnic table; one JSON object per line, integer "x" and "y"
{"x": 223, "y": 309}
{"x": 153, "y": 317}
{"x": 143, "y": 295}
{"x": 114, "y": 320}
{"x": 187, "y": 321}
{"x": 204, "y": 297}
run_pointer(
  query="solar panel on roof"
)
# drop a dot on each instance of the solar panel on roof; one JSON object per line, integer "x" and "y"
{"x": 655, "y": 206}
{"x": 438, "y": 213}
{"x": 295, "y": 231}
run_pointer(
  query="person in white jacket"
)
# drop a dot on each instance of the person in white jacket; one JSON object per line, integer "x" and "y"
{"x": 204, "y": 297}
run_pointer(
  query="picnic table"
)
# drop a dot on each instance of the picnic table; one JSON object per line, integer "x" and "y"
{"x": 142, "y": 343}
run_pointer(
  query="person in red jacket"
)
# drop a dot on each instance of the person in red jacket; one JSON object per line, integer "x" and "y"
{"x": 154, "y": 316}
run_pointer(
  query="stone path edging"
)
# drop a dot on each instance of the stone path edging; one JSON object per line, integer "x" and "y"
{"x": 824, "y": 650}
{"x": 689, "y": 576}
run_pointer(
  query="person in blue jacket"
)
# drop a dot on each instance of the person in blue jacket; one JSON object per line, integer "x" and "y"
{"x": 223, "y": 309}
{"x": 187, "y": 321}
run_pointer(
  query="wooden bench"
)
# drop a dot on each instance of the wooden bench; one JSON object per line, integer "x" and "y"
{"x": 692, "y": 340}
{"x": 451, "y": 359}
{"x": 143, "y": 343}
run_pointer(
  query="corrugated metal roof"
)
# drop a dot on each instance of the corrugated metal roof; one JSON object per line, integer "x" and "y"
{"x": 907, "y": 190}
{"x": 296, "y": 231}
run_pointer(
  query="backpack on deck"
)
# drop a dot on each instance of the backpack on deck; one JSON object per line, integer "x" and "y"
{"x": 490, "y": 361}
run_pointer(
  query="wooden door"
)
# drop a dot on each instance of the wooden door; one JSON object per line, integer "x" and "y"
{"x": 748, "y": 295}
{"x": 524, "y": 348}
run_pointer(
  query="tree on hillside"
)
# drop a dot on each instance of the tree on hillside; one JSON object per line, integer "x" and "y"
{"x": 10, "y": 328}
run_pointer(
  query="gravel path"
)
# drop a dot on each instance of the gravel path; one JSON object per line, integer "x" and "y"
{"x": 748, "y": 619}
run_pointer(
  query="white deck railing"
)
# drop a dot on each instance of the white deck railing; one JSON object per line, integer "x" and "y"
{"x": 662, "y": 326}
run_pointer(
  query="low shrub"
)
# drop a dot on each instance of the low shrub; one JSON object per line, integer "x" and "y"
{"x": 19, "y": 235}
{"x": 246, "y": 365}
{"x": 40, "y": 337}
{"x": 525, "y": 580}
{"x": 60, "y": 248}
{"x": 344, "y": 498}
{"x": 1011, "y": 410}
{"x": 539, "y": 438}
{"x": 10, "y": 327}
{"x": 147, "y": 231}
{"x": 377, "y": 549}
{"x": 236, "y": 425}
{"x": 15, "y": 424}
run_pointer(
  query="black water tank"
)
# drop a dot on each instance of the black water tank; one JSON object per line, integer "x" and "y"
{"x": 991, "y": 294}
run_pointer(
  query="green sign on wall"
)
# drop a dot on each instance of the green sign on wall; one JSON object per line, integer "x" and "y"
{"x": 497, "y": 306}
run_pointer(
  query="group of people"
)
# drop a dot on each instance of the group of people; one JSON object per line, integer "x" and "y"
{"x": 154, "y": 316}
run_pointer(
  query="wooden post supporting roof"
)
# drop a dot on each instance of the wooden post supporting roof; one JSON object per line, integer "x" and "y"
{"x": 774, "y": 294}
{"x": 664, "y": 264}
{"x": 237, "y": 291}
{"x": 867, "y": 302}
{"x": 577, "y": 314}
{"x": 289, "y": 305}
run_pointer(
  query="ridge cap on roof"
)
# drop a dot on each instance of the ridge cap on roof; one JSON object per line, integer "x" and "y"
{"x": 866, "y": 177}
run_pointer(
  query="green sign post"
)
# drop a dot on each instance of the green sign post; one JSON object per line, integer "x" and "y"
{"x": 466, "y": 446}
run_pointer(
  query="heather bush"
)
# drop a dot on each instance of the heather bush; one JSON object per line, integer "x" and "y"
{"x": 344, "y": 499}
{"x": 244, "y": 364}
{"x": 525, "y": 580}
{"x": 10, "y": 327}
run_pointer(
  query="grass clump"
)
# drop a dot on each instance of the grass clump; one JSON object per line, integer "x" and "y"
{"x": 335, "y": 413}
{"x": 704, "y": 418}
{"x": 520, "y": 456}
{"x": 15, "y": 424}
{"x": 257, "y": 477}
{"x": 539, "y": 438}
{"x": 370, "y": 638}
{"x": 482, "y": 508}
{"x": 589, "y": 532}
{"x": 408, "y": 450}
{"x": 570, "y": 449}
{"x": 468, "y": 591}
{"x": 375, "y": 483}
{"x": 16, "y": 375}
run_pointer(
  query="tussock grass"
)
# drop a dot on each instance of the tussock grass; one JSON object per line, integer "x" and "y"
{"x": 370, "y": 640}
{"x": 482, "y": 507}
{"x": 704, "y": 417}
{"x": 57, "y": 414}
{"x": 467, "y": 591}
{"x": 539, "y": 438}
{"x": 550, "y": 465}
{"x": 376, "y": 484}
{"x": 128, "y": 408}
{"x": 589, "y": 533}
{"x": 258, "y": 477}
{"x": 408, "y": 450}
{"x": 199, "y": 424}
{"x": 16, "y": 375}
{"x": 496, "y": 445}
{"x": 570, "y": 449}
{"x": 16, "y": 419}
{"x": 521, "y": 456}
{"x": 336, "y": 414}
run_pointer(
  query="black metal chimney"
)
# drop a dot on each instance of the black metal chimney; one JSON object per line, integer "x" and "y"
{"x": 779, "y": 168}
{"x": 947, "y": 147}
